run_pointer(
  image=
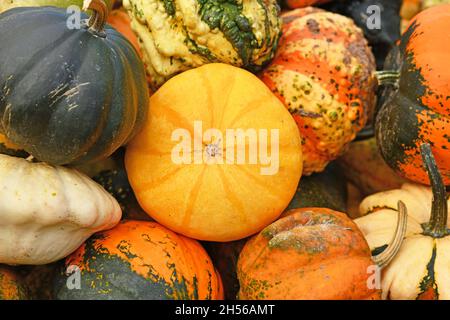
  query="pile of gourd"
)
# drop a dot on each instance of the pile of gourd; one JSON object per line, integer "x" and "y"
{"x": 100, "y": 200}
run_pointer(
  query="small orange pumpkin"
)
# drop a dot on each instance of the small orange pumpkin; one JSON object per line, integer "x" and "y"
{"x": 140, "y": 260}
{"x": 310, "y": 253}
{"x": 191, "y": 172}
{"x": 324, "y": 74}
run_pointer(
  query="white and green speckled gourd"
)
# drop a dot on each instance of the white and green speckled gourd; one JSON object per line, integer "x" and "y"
{"x": 177, "y": 35}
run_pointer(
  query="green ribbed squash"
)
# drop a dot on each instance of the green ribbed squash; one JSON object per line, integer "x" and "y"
{"x": 177, "y": 35}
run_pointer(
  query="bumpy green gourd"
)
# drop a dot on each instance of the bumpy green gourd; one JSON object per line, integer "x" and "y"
{"x": 177, "y": 35}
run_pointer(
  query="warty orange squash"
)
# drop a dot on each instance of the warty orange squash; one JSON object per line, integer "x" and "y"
{"x": 323, "y": 72}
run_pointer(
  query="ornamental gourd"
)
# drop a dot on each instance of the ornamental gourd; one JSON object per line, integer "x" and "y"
{"x": 416, "y": 105}
{"x": 324, "y": 74}
{"x": 219, "y": 156}
{"x": 177, "y": 35}
{"x": 47, "y": 212}
{"x": 421, "y": 267}
{"x": 68, "y": 95}
{"x": 311, "y": 253}
{"x": 140, "y": 260}
{"x": 326, "y": 189}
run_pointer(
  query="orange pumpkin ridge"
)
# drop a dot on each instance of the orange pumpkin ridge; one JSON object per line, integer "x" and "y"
{"x": 311, "y": 253}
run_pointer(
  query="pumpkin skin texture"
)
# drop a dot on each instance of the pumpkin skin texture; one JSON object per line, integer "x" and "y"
{"x": 179, "y": 35}
{"x": 326, "y": 189}
{"x": 323, "y": 74}
{"x": 141, "y": 260}
{"x": 363, "y": 166}
{"x": 48, "y": 212}
{"x": 312, "y": 253}
{"x": 216, "y": 198}
{"x": 11, "y": 286}
{"x": 418, "y": 110}
{"x": 81, "y": 97}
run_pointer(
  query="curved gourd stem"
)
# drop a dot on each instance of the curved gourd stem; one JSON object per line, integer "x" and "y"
{"x": 97, "y": 21}
{"x": 387, "y": 77}
{"x": 384, "y": 258}
{"x": 437, "y": 226}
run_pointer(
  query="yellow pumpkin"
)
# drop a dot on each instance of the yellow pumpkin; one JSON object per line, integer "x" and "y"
{"x": 198, "y": 166}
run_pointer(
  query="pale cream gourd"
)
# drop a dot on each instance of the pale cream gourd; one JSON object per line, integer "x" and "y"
{"x": 47, "y": 212}
{"x": 421, "y": 268}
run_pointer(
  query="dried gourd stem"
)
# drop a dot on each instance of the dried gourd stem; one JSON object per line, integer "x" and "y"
{"x": 99, "y": 15}
{"x": 387, "y": 77}
{"x": 437, "y": 226}
{"x": 384, "y": 258}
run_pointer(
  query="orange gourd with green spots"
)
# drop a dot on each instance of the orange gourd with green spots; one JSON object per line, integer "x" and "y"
{"x": 324, "y": 74}
{"x": 416, "y": 109}
{"x": 310, "y": 253}
{"x": 141, "y": 260}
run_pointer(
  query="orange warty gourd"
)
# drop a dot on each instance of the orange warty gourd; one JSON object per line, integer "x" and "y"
{"x": 141, "y": 260}
{"x": 323, "y": 72}
{"x": 310, "y": 253}
{"x": 215, "y": 189}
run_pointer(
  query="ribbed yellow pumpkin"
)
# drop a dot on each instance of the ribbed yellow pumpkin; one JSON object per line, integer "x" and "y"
{"x": 209, "y": 191}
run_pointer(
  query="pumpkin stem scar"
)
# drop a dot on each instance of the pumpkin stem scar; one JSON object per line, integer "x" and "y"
{"x": 97, "y": 21}
{"x": 384, "y": 258}
{"x": 437, "y": 226}
{"x": 387, "y": 77}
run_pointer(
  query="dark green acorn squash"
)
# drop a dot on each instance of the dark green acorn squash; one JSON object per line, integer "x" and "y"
{"x": 68, "y": 96}
{"x": 138, "y": 260}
